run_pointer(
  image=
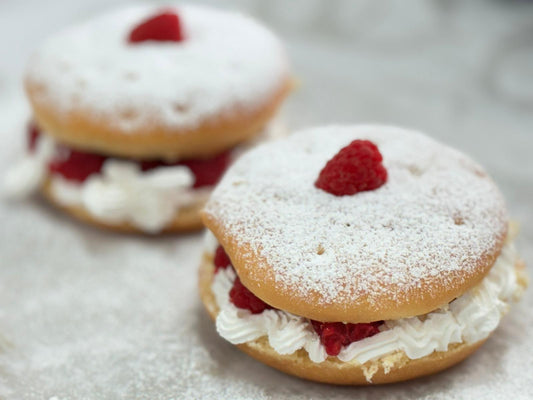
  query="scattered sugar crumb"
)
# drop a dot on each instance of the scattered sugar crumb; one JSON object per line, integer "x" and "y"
{"x": 370, "y": 371}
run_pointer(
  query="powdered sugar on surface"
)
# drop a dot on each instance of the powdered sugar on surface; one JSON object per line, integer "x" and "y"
{"x": 90, "y": 315}
{"x": 430, "y": 223}
{"x": 226, "y": 61}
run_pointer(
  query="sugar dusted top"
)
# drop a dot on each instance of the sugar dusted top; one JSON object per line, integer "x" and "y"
{"x": 226, "y": 61}
{"x": 436, "y": 223}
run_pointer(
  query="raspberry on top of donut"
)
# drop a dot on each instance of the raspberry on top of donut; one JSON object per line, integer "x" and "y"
{"x": 356, "y": 168}
{"x": 163, "y": 27}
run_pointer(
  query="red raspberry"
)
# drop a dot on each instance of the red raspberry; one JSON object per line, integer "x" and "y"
{"x": 33, "y": 135}
{"x": 356, "y": 332}
{"x": 335, "y": 335}
{"x": 206, "y": 172}
{"x": 164, "y": 27}
{"x": 221, "y": 259}
{"x": 76, "y": 165}
{"x": 243, "y": 298}
{"x": 356, "y": 168}
{"x": 331, "y": 335}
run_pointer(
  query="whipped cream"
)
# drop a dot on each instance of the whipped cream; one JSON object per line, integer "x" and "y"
{"x": 27, "y": 175}
{"x": 121, "y": 192}
{"x": 469, "y": 319}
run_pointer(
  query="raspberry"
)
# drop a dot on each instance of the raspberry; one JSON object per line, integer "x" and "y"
{"x": 356, "y": 332}
{"x": 356, "y": 168}
{"x": 33, "y": 135}
{"x": 76, "y": 165}
{"x": 206, "y": 172}
{"x": 331, "y": 335}
{"x": 221, "y": 259}
{"x": 243, "y": 298}
{"x": 164, "y": 27}
{"x": 335, "y": 335}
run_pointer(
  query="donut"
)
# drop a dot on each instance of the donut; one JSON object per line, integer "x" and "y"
{"x": 358, "y": 255}
{"x": 147, "y": 107}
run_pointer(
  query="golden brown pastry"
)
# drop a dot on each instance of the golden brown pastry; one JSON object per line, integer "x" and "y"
{"x": 358, "y": 254}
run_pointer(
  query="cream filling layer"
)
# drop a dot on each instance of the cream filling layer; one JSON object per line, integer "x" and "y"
{"x": 469, "y": 319}
{"x": 121, "y": 192}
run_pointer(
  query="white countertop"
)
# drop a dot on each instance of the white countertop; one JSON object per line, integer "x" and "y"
{"x": 86, "y": 314}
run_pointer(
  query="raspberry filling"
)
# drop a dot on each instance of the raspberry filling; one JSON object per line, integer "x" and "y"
{"x": 33, "y": 135}
{"x": 206, "y": 172}
{"x": 221, "y": 259}
{"x": 333, "y": 335}
{"x": 77, "y": 165}
{"x": 243, "y": 298}
{"x": 239, "y": 295}
{"x": 163, "y": 27}
{"x": 355, "y": 168}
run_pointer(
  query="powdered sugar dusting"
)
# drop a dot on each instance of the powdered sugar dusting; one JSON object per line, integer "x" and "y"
{"x": 436, "y": 215}
{"x": 226, "y": 61}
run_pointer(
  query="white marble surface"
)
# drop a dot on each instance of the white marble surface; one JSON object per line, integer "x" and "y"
{"x": 86, "y": 314}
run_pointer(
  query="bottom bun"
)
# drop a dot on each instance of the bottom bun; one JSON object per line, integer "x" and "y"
{"x": 188, "y": 218}
{"x": 395, "y": 367}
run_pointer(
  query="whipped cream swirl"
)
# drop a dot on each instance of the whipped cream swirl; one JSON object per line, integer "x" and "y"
{"x": 469, "y": 318}
{"x": 121, "y": 192}
{"x": 27, "y": 175}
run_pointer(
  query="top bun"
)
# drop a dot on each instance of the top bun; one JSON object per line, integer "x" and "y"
{"x": 94, "y": 90}
{"x": 429, "y": 234}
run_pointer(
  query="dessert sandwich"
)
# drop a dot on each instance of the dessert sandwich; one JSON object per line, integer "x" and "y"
{"x": 357, "y": 255}
{"x": 138, "y": 113}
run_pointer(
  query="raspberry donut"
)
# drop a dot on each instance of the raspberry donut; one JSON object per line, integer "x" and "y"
{"x": 357, "y": 255}
{"x": 139, "y": 112}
